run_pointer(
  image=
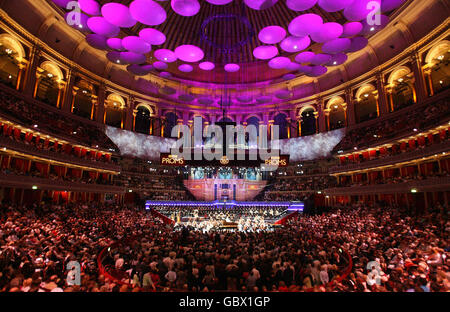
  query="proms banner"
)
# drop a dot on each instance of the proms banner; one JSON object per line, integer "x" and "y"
{"x": 151, "y": 147}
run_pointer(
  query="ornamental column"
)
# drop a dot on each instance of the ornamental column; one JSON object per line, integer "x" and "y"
{"x": 30, "y": 79}
{"x": 382, "y": 100}
{"x": 351, "y": 120}
{"x": 322, "y": 118}
{"x": 130, "y": 114}
{"x": 419, "y": 81}
{"x": 100, "y": 107}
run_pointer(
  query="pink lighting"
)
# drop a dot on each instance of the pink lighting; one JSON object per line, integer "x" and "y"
{"x": 334, "y": 5}
{"x": 358, "y": 10}
{"x": 101, "y": 26}
{"x": 118, "y": 14}
{"x": 295, "y": 44}
{"x": 304, "y": 57}
{"x": 61, "y": 3}
{"x": 189, "y": 53}
{"x": 115, "y": 43}
{"x": 318, "y": 71}
{"x": 338, "y": 59}
{"x": 219, "y": 2}
{"x": 260, "y": 4}
{"x": 231, "y": 68}
{"x": 132, "y": 58}
{"x": 244, "y": 98}
{"x": 80, "y": 24}
{"x": 300, "y": 5}
{"x": 358, "y": 43}
{"x": 160, "y": 65}
{"x": 389, "y": 5}
{"x": 140, "y": 70}
{"x": 152, "y": 36}
{"x": 185, "y": 68}
{"x": 352, "y": 29}
{"x": 327, "y": 32}
{"x": 336, "y": 45}
{"x": 97, "y": 41}
{"x": 371, "y": 29}
{"x": 90, "y": 7}
{"x": 185, "y": 7}
{"x": 305, "y": 69}
{"x": 136, "y": 45}
{"x": 165, "y": 74}
{"x": 114, "y": 57}
{"x": 288, "y": 77}
{"x": 206, "y": 66}
{"x": 140, "y": 9}
{"x": 165, "y": 55}
{"x": 320, "y": 59}
{"x": 305, "y": 24}
{"x": 265, "y": 52}
{"x": 284, "y": 94}
{"x": 279, "y": 62}
{"x": 205, "y": 101}
{"x": 264, "y": 99}
{"x": 186, "y": 97}
{"x": 167, "y": 90}
{"x": 272, "y": 34}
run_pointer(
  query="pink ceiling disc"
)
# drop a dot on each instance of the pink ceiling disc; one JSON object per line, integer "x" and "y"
{"x": 305, "y": 24}
{"x": 139, "y": 10}
{"x": 165, "y": 55}
{"x": 265, "y": 52}
{"x": 152, "y": 36}
{"x": 272, "y": 34}
{"x": 118, "y": 14}
{"x": 189, "y": 53}
{"x": 295, "y": 44}
{"x": 136, "y": 45}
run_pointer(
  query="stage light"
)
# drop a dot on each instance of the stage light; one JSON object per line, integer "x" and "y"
{"x": 34, "y": 187}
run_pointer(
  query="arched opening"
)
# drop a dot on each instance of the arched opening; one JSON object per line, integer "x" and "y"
{"x": 438, "y": 71}
{"x": 337, "y": 114}
{"x": 170, "y": 123}
{"x": 11, "y": 56}
{"x": 84, "y": 99}
{"x": 142, "y": 120}
{"x": 366, "y": 106}
{"x": 254, "y": 121}
{"x": 114, "y": 110}
{"x": 402, "y": 88}
{"x": 49, "y": 84}
{"x": 281, "y": 122}
{"x": 309, "y": 123}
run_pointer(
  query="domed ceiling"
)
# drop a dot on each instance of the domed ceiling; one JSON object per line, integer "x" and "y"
{"x": 228, "y": 41}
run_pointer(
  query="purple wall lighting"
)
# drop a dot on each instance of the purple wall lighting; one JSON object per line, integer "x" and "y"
{"x": 115, "y": 43}
{"x": 305, "y": 24}
{"x": 205, "y": 101}
{"x": 265, "y": 52}
{"x": 327, "y": 32}
{"x": 165, "y": 74}
{"x": 219, "y": 2}
{"x": 185, "y": 68}
{"x": 260, "y": 4}
{"x": 244, "y": 98}
{"x": 185, "y": 7}
{"x": 61, "y": 3}
{"x": 289, "y": 76}
{"x": 139, "y": 10}
{"x": 114, "y": 57}
{"x": 279, "y": 62}
{"x": 152, "y": 36}
{"x": 231, "y": 68}
{"x": 97, "y": 41}
{"x": 389, "y": 5}
{"x": 189, "y": 53}
{"x": 371, "y": 29}
{"x": 264, "y": 99}
{"x": 352, "y": 29}
{"x": 358, "y": 10}
{"x": 272, "y": 34}
{"x": 338, "y": 59}
{"x": 334, "y": 5}
{"x": 160, "y": 65}
{"x": 81, "y": 24}
{"x": 318, "y": 71}
{"x": 358, "y": 43}
{"x": 165, "y": 55}
{"x": 136, "y": 45}
{"x": 336, "y": 45}
{"x": 118, "y": 14}
{"x": 295, "y": 44}
{"x": 101, "y": 26}
{"x": 305, "y": 69}
{"x": 300, "y": 5}
{"x": 320, "y": 59}
{"x": 305, "y": 57}
{"x": 140, "y": 70}
{"x": 206, "y": 66}
{"x": 91, "y": 7}
{"x": 132, "y": 58}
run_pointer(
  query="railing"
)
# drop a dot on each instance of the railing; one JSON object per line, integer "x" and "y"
{"x": 23, "y": 181}
{"x": 427, "y": 185}
{"x": 390, "y": 160}
{"x": 51, "y": 155}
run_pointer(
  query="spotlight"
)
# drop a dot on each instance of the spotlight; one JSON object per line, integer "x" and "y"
{"x": 413, "y": 190}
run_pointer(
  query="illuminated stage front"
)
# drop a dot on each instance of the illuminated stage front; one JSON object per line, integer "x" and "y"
{"x": 224, "y": 189}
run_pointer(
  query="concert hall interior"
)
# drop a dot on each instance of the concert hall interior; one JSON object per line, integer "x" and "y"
{"x": 224, "y": 145}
